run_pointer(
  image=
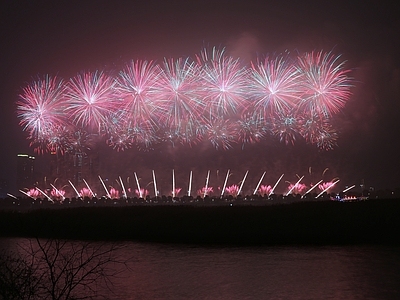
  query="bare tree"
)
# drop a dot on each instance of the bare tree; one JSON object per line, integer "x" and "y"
{"x": 17, "y": 279}
{"x": 59, "y": 269}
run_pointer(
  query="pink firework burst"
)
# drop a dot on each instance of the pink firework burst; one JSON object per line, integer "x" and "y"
{"x": 221, "y": 133}
{"x": 142, "y": 193}
{"x": 33, "y": 193}
{"x": 181, "y": 106}
{"x": 114, "y": 194}
{"x": 223, "y": 82}
{"x": 138, "y": 86}
{"x": 40, "y": 107}
{"x": 325, "y": 83}
{"x": 326, "y": 186}
{"x": 176, "y": 192}
{"x": 232, "y": 190}
{"x": 91, "y": 99}
{"x": 57, "y": 194}
{"x": 205, "y": 191}
{"x": 251, "y": 129}
{"x": 85, "y": 192}
{"x": 286, "y": 127}
{"x": 297, "y": 188}
{"x": 264, "y": 190}
{"x": 274, "y": 87}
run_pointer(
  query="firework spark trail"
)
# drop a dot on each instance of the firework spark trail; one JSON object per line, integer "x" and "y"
{"x": 44, "y": 194}
{"x": 173, "y": 183}
{"x": 241, "y": 185}
{"x": 349, "y": 188}
{"x": 138, "y": 185}
{"x": 276, "y": 184}
{"x": 206, "y": 186}
{"x": 105, "y": 188}
{"x": 226, "y": 180}
{"x": 190, "y": 183}
{"x": 313, "y": 187}
{"x": 259, "y": 182}
{"x": 327, "y": 188}
{"x": 76, "y": 191}
{"x": 12, "y": 196}
{"x": 26, "y": 194}
{"x": 294, "y": 186}
{"x": 90, "y": 190}
{"x": 123, "y": 187}
{"x": 155, "y": 184}
{"x": 58, "y": 192}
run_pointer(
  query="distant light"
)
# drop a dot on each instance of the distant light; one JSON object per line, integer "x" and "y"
{"x": 25, "y": 155}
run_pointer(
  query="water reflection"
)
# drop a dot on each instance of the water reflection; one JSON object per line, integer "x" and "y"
{"x": 184, "y": 272}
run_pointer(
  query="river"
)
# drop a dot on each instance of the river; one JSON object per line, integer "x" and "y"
{"x": 159, "y": 271}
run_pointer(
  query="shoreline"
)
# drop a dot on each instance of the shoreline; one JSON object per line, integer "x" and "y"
{"x": 299, "y": 223}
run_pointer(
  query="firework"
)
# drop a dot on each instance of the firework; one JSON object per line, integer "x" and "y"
{"x": 105, "y": 188}
{"x": 265, "y": 190}
{"x": 12, "y": 196}
{"x": 91, "y": 100}
{"x": 206, "y": 188}
{"x": 39, "y": 110}
{"x": 294, "y": 186}
{"x": 258, "y": 184}
{"x": 221, "y": 133}
{"x": 325, "y": 84}
{"x": 76, "y": 191}
{"x": 141, "y": 193}
{"x": 123, "y": 187}
{"x": 349, "y": 188}
{"x": 226, "y": 180}
{"x": 275, "y": 87}
{"x": 44, "y": 194}
{"x": 56, "y": 193}
{"x": 85, "y": 192}
{"x": 241, "y": 184}
{"x": 181, "y": 106}
{"x": 32, "y": 193}
{"x": 173, "y": 183}
{"x": 312, "y": 187}
{"x": 114, "y": 194}
{"x": 90, "y": 190}
{"x": 326, "y": 186}
{"x": 250, "y": 129}
{"x": 277, "y": 182}
{"x": 155, "y": 184}
{"x": 205, "y": 191}
{"x": 182, "y": 101}
{"x": 138, "y": 86}
{"x": 190, "y": 183}
{"x": 138, "y": 190}
{"x": 233, "y": 190}
{"x": 286, "y": 127}
{"x": 223, "y": 83}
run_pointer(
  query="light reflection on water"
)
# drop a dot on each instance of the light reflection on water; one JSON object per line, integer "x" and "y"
{"x": 185, "y": 272}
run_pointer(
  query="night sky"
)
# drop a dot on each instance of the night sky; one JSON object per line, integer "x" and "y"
{"x": 64, "y": 38}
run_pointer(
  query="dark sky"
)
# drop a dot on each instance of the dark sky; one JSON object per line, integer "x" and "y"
{"x": 65, "y": 37}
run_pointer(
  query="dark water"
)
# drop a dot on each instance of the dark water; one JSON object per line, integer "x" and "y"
{"x": 184, "y": 272}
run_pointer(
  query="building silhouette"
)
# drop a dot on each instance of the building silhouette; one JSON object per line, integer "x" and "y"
{"x": 25, "y": 171}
